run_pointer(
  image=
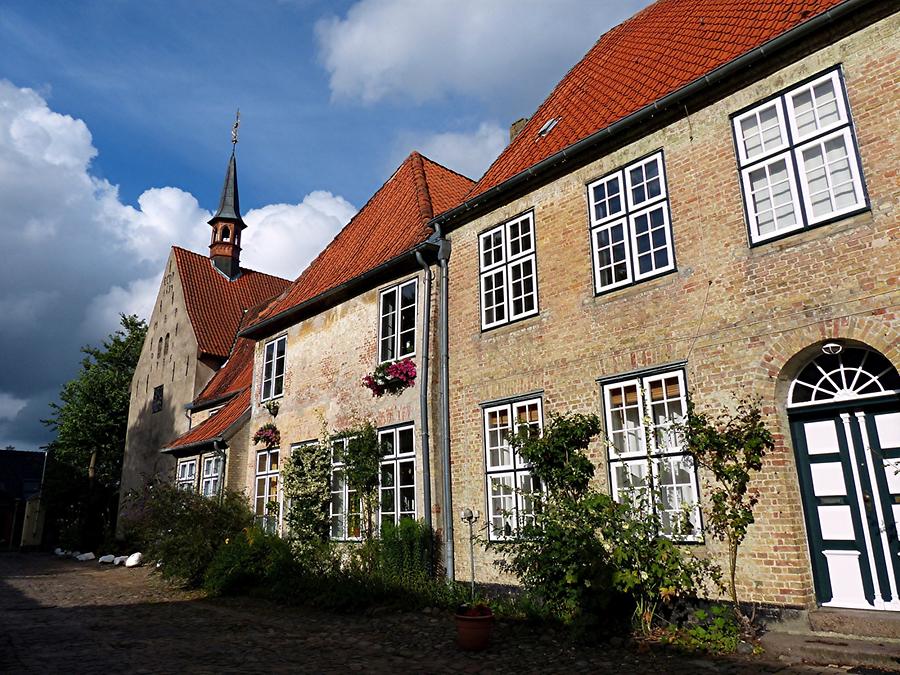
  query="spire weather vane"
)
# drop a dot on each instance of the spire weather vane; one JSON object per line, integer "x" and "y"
{"x": 234, "y": 128}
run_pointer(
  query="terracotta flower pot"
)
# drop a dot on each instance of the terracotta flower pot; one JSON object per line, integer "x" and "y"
{"x": 474, "y": 627}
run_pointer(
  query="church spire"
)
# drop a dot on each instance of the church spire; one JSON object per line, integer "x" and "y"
{"x": 227, "y": 224}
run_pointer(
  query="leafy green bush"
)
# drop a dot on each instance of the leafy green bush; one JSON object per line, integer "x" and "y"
{"x": 716, "y": 631}
{"x": 183, "y": 530}
{"x": 406, "y": 550}
{"x": 250, "y": 560}
{"x": 587, "y": 558}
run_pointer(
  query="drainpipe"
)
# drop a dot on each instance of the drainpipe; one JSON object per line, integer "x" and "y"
{"x": 423, "y": 391}
{"x": 220, "y": 452}
{"x": 443, "y": 350}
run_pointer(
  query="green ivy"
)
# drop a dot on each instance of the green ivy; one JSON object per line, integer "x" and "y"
{"x": 306, "y": 477}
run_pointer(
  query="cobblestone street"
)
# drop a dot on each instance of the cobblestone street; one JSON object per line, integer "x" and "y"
{"x": 65, "y": 616}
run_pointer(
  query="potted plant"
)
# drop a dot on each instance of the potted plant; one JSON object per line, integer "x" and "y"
{"x": 268, "y": 435}
{"x": 474, "y": 626}
{"x": 391, "y": 377}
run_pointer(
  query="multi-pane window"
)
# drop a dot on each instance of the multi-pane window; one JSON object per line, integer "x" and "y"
{"x": 645, "y": 451}
{"x": 273, "y": 368}
{"x": 397, "y": 481}
{"x": 345, "y": 503}
{"x": 511, "y": 488}
{"x": 798, "y": 159}
{"x": 508, "y": 272}
{"x": 209, "y": 480}
{"x": 186, "y": 475}
{"x": 631, "y": 238}
{"x": 267, "y": 502}
{"x": 397, "y": 322}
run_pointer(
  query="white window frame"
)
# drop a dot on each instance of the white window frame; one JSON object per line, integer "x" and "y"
{"x": 626, "y": 217}
{"x": 499, "y": 242}
{"x": 210, "y": 479}
{"x": 185, "y": 477}
{"x": 791, "y": 150}
{"x": 395, "y": 339}
{"x": 265, "y": 474}
{"x": 271, "y": 358}
{"x": 638, "y": 453}
{"x": 393, "y": 463}
{"x": 343, "y": 516}
{"x": 513, "y": 472}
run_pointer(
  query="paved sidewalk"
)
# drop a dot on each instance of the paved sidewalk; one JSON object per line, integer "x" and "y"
{"x": 65, "y": 616}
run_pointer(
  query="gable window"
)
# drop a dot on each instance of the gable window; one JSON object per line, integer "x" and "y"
{"x": 510, "y": 485}
{"x": 273, "y": 368}
{"x": 644, "y": 450}
{"x": 267, "y": 499}
{"x": 157, "y": 399}
{"x": 798, "y": 159}
{"x": 631, "y": 237}
{"x": 212, "y": 470}
{"x": 345, "y": 503}
{"x": 397, "y": 480}
{"x": 506, "y": 256}
{"x": 397, "y": 322}
{"x": 186, "y": 475}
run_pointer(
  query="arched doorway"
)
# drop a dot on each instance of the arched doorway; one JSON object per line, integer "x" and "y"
{"x": 844, "y": 409}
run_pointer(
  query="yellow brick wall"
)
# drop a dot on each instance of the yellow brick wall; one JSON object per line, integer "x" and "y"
{"x": 763, "y": 305}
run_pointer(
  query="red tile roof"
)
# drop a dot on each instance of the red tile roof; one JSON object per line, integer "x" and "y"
{"x": 659, "y": 50}
{"x": 236, "y": 374}
{"x": 394, "y": 220}
{"x": 216, "y": 305}
{"x": 216, "y": 426}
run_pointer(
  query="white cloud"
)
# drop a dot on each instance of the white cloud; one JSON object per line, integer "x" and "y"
{"x": 502, "y": 49}
{"x": 102, "y": 314}
{"x": 469, "y": 153}
{"x": 10, "y": 406}
{"x": 75, "y": 256}
{"x": 166, "y": 216}
{"x": 282, "y": 239}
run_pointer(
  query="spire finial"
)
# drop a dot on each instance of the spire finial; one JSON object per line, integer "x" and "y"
{"x": 234, "y": 128}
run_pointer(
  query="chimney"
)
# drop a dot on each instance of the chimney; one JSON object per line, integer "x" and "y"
{"x": 516, "y": 127}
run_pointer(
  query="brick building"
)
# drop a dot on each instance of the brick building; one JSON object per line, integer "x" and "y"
{"x": 201, "y": 303}
{"x": 706, "y": 202}
{"x": 368, "y": 298}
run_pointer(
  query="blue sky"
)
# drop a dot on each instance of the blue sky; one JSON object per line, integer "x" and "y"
{"x": 115, "y": 121}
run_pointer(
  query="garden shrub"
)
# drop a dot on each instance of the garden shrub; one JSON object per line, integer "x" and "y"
{"x": 716, "y": 631}
{"x": 586, "y": 557}
{"x": 405, "y": 550}
{"x": 250, "y": 560}
{"x": 182, "y": 530}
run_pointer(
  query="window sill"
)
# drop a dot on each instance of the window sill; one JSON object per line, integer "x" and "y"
{"x": 512, "y": 327}
{"x": 825, "y": 229}
{"x": 626, "y": 292}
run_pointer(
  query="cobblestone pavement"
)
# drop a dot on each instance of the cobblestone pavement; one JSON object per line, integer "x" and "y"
{"x": 66, "y": 616}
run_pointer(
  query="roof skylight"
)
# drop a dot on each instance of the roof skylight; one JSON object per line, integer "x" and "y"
{"x": 548, "y": 126}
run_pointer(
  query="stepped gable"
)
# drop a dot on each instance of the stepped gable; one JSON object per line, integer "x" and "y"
{"x": 394, "y": 220}
{"x": 656, "y": 52}
{"x": 215, "y": 304}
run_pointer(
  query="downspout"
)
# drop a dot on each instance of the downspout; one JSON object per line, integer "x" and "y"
{"x": 423, "y": 391}
{"x": 444, "y": 352}
{"x": 224, "y": 455}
